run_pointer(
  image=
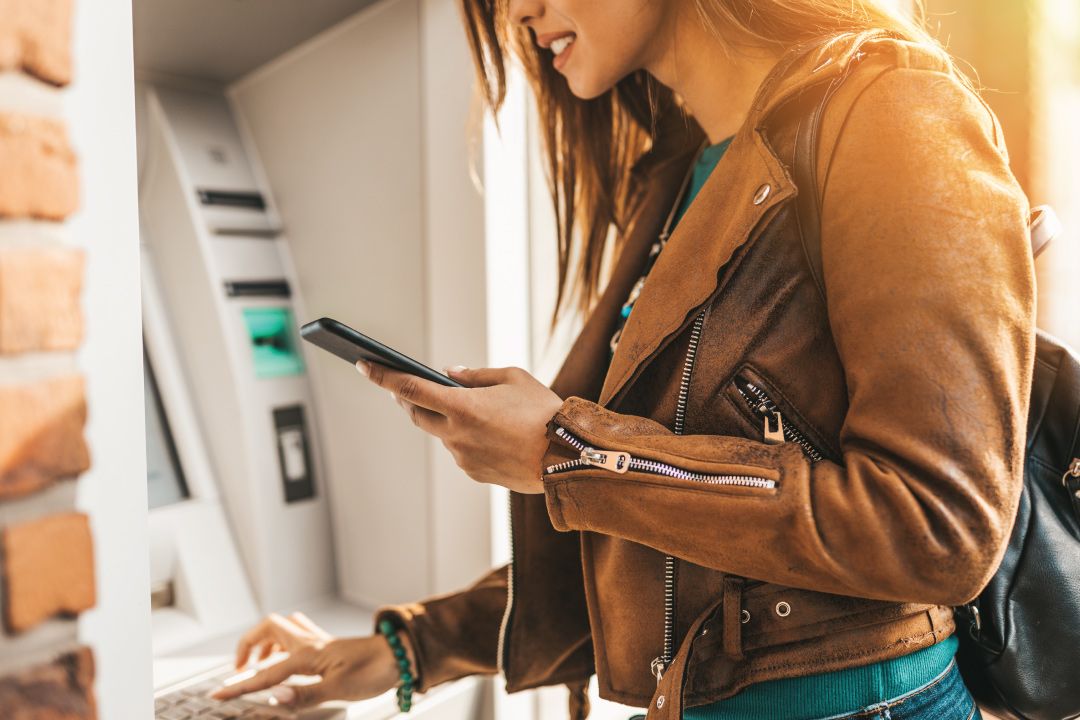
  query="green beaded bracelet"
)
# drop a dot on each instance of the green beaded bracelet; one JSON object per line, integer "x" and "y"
{"x": 405, "y": 689}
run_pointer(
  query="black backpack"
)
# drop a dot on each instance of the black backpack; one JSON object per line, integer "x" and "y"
{"x": 1020, "y": 638}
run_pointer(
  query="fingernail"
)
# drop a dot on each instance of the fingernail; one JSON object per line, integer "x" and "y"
{"x": 362, "y": 367}
{"x": 456, "y": 369}
{"x": 283, "y": 694}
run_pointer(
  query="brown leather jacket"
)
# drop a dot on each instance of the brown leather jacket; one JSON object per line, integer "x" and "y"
{"x": 695, "y": 534}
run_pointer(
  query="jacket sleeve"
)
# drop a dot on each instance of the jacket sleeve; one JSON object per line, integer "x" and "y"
{"x": 455, "y": 634}
{"x": 930, "y": 295}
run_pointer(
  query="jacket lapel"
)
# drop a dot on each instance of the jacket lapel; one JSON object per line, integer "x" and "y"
{"x": 720, "y": 220}
{"x": 582, "y": 372}
{"x": 747, "y": 182}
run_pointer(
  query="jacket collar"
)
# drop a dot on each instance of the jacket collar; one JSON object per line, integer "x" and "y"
{"x": 748, "y": 182}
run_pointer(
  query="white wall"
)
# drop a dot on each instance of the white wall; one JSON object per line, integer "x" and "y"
{"x": 459, "y": 317}
{"x": 361, "y": 136}
{"x": 100, "y": 107}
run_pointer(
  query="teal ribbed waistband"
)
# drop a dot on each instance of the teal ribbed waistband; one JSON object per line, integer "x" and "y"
{"x": 831, "y": 693}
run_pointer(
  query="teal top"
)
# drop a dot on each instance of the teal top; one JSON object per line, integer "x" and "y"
{"x": 702, "y": 168}
{"x": 809, "y": 696}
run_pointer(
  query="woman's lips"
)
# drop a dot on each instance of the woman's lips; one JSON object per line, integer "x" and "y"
{"x": 561, "y": 57}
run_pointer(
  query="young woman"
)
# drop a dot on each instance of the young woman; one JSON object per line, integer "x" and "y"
{"x": 783, "y": 474}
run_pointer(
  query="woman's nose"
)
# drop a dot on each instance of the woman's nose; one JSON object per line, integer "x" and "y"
{"x": 522, "y": 11}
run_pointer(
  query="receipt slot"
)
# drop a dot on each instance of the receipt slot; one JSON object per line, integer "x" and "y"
{"x": 294, "y": 460}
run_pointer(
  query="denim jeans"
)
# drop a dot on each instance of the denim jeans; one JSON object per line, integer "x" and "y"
{"x": 943, "y": 698}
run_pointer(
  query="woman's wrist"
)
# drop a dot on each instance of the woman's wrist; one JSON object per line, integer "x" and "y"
{"x": 406, "y": 643}
{"x": 404, "y": 661}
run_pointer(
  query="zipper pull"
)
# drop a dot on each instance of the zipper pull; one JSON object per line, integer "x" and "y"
{"x": 611, "y": 460}
{"x": 1073, "y": 471}
{"x": 657, "y": 668}
{"x": 774, "y": 436}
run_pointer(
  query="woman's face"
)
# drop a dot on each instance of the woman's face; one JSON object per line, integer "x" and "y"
{"x": 598, "y": 42}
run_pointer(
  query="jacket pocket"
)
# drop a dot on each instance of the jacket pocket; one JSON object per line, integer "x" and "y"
{"x": 775, "y": 417}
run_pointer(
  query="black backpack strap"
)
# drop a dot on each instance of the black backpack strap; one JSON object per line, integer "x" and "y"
{"x": 1044, "y": 224}
{"x": 812, "y": 103}
{"x": 804, "y": 168}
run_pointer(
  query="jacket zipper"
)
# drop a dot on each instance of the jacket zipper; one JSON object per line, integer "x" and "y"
{"x": 500, "y": 662}
{"x": 671, "y": 563}
{"x": 671, "y": 567}
{"x": 620, "y": 461}
{"x": 762, "y": 405}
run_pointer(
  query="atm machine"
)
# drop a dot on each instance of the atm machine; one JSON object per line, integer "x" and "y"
{"x": 243, "y": 518}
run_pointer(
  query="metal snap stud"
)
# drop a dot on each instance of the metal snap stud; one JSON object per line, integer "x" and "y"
{"x": 660, "y": 702}
{"x": 762, "y": 193}
{"x": 745, "y": 616}
{"x": 783, "y": 609}
{"x": 704, "y": 631}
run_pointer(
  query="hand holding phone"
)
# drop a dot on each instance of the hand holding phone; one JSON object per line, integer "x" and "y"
{"x": 351, "y": 345}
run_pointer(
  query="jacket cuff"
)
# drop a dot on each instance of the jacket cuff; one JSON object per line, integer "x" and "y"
{"x": 556, "y": 497}
{"x": 402, "y": 617}
{"x": 453, "y": 635}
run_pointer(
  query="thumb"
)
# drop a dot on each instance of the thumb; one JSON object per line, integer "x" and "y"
{"x": 477, "y": 377}
{"x": 296, "y": 697}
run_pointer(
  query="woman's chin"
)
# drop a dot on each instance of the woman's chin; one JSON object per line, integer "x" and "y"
{"x": 586, "y": 90}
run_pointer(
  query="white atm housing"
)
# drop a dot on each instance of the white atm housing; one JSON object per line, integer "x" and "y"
{"x": 332, "y": 177}
{"x": 218, "y": 260}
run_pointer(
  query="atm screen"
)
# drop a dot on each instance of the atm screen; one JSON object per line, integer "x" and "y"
{"x": 164, "y": 474}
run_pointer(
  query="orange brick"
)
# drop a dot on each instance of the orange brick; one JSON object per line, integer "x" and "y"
{"x": 48, "y": 569}
{"x": 38, "y": 176}
{"x": 39, "y": 299}
{"x": 60, "y": 690}
{"x": 35, "y": 36}
{"x": 41, "y": 434}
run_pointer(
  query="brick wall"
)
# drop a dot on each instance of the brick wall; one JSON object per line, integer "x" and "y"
{"x": 46, "y": 550}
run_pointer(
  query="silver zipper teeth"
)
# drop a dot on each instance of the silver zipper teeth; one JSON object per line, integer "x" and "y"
{"x": 688, "y": 366}
{"x": 671, "y": 573}
{"x": 670, "y": 562}
{"x": 654, "y": 466}
{"x": 790, "y": 431}
{"x": 504, "y": 624}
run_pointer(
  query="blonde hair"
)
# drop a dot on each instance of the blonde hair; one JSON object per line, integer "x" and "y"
{"x": 591, "y": 146}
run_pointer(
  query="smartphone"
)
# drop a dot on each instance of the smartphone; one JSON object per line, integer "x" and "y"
{"x": 351, "y": 345}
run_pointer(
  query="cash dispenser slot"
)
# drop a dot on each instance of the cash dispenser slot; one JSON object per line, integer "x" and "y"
{"x": 273, "y": 342}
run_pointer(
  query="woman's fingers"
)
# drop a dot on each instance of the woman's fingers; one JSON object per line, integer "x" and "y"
{"x": 308, "y": 624}
{"x": 303, "y": 696}
{"x": 265, "y": 650}
{"x": 483, "y": 377}
{"x": 416, "y": 390}
{"x": 248, "y": 641}
{"x": 272, "y": 629}
{"x": 273, "y": 675}
{"x": 427, "y": 420}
